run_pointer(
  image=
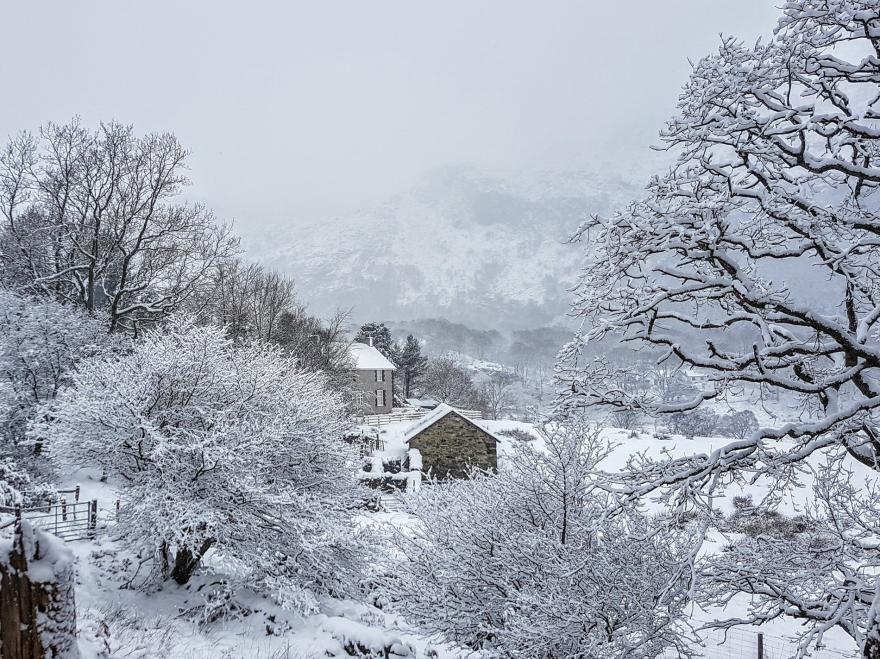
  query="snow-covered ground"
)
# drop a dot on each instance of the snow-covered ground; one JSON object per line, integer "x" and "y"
{"x": 116, "y": 620}
{"x": 740, "y": 642}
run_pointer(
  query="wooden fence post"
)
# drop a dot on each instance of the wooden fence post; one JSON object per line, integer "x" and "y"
{"x": 93, "y": 515}
{"x": 760, "y": 645}
{"x": 37, "y": 606}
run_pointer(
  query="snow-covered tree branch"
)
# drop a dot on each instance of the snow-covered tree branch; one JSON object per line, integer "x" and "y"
{"x": 754, "y": 260}
{"x": 90, "y": 218}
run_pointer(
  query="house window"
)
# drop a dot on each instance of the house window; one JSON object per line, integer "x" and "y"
{"x": 380, "y": 398}
{"x": 380, "y": 376}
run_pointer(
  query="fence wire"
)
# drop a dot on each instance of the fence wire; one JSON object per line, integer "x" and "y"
{"x": 740, "y": 643}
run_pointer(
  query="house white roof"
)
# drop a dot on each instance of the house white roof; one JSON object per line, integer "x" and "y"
{"x": 433, "y": 417}
{"x": 368, "y": 358}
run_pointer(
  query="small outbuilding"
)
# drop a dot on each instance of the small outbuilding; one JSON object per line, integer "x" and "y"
{"x": 451, "y": 445}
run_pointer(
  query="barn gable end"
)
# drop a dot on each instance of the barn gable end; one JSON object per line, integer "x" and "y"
{"x": 451, "y": 445}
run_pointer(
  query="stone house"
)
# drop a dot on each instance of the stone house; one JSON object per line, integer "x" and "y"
{"x": 450, "y": 444}
{"x": 373, "y": 376}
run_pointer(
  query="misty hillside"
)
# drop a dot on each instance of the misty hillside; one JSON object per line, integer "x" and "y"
{"x": 484, "y": 249}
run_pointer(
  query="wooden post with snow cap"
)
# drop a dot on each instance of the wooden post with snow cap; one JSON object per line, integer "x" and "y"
{"x": 93, "y": 515}
{"x": 37, "y": 606}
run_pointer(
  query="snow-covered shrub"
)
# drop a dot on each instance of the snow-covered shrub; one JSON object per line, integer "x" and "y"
{"x": 360, "y": 636}
{"x": 517, "y": 433}
{"x": 18, "y": 489}
{"x": 40, "y": 341}
{"x": 525, "y": 563}
{"x": 218, "y": 447}
{"x": 761, "y": 520}
{"x": 114, "y": 629}
{"x": 626, "y": 419}
{"x": 701, "y": 422}
{"x": 737, "y": 424}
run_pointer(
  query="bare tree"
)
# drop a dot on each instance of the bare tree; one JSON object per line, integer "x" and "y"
{"x": 89, "y": 217}
{"x": 496, "y": 394}
{"x": 449, "y": 383}
{"x": 247, "y": 299}
{"x": 766, "y": 228}
{"x": 317, "y": 344}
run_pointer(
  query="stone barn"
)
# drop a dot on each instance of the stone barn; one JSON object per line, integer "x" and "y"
{"x": 451, "y": 444}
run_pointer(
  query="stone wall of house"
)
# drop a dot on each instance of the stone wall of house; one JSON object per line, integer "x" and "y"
{"x": 452, "y": 445}
{"x": 365, "y": 381}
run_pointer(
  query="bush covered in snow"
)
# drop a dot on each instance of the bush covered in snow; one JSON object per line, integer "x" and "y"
{"x": 701, "y": 422}
{"x": 738, "y": 425}
{"x": 704, "y": 422}
{"x": 18, "y": 489}
{"x": 517, "y": 433}
{"x": 40, "y": 341}
{"x": 526, "y": 564}
{"x": 217, "y": 447}
{"x": 761, "y": 520}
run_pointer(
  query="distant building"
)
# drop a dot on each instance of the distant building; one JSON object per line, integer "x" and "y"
{"x": 373, "y": 378}
{"x": 451, "y": 445}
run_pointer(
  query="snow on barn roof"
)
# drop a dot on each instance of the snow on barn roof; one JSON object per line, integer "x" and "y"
{"x": 368, "y": 358}
{"x": 434, "y": 416}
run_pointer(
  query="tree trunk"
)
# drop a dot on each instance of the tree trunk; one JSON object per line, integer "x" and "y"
{"x": 186, "y": 562}
{"x": 37, "y": 604}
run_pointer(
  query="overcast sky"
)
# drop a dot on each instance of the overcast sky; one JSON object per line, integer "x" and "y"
{"x": 297, "y": 110}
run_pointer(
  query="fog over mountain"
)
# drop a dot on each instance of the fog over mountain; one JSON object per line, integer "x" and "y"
{"x": 488, "y": 249}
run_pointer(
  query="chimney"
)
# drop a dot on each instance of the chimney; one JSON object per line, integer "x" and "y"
{"x": 370, "y": 339}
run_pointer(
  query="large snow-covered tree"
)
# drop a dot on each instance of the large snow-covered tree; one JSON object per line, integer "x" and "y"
{"x": 92, "y": 217}
{"x": 218, "y": 447}
{"x": 525, "y": 564}
{"x": 754, "y": 260}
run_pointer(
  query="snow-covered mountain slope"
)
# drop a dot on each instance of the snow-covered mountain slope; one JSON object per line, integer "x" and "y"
{"x": 485, "y": 249}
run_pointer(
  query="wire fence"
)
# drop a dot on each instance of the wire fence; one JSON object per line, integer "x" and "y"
{"x": 744, "y": 643}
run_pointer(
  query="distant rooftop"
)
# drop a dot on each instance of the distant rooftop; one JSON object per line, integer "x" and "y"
{"x": 368, "y": 358}
{"x": 434, "y": 416}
